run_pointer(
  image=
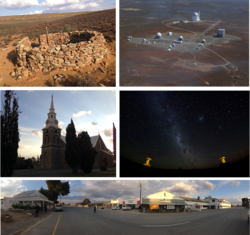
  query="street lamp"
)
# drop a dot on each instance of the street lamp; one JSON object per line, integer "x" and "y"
{"x": 140, "y": 190}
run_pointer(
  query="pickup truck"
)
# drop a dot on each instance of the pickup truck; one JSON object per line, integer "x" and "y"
{"x": 248, "y": 217}
{"x": 125, "y": 208}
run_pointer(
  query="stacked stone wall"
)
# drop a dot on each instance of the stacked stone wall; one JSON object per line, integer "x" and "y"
{"x": 65, "y": 51}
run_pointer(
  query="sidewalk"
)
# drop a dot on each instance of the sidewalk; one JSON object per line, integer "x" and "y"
{"x": 15, "y": 228}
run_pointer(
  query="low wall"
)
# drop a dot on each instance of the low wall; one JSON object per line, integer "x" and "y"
{"x": 64, "y": 51}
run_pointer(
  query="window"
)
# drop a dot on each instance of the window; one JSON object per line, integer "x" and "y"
{"x": 51, "y": 116}
{"x": 45, "y": 140}
{"x": 213, "y": 200}
{"x": 164, "y": 194}
{"x": 54, "y": 140}
{"x": 48, "y": 139}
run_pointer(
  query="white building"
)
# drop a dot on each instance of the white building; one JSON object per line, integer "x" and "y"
{"x": 6, "y": 203}
{"x": 215, "y": 203}
{"x": 158, "y": 35}
{"x": 29, "y": 197}
{"x": 195, "y": 16}
{"x": 196, "y": 204}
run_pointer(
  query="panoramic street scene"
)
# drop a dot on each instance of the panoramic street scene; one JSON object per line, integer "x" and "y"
{"x": 125, "y": 207}
{"x": 184, "y": 43}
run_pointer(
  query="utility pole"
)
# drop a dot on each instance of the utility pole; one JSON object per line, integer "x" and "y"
{"x": 140, "y": 191}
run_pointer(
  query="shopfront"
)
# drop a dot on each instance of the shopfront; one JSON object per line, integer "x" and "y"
{"x": 162, "y": 202}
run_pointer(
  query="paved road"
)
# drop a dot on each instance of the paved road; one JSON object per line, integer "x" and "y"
{"x": 211, "y": 27}
{"x": 107, "y": 222}
{"x": 63, "y": 172}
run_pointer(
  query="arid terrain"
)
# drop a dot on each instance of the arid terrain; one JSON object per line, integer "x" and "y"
{"x": 15, "y": 28}
{"x": 220, "y": 62}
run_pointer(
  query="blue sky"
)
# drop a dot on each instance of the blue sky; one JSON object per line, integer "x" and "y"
{"x": 19, "y": 7}
{"x": 231, "y": 190}
{"x": 91, "y": 111}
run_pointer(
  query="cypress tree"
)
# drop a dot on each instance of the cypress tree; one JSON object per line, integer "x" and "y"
{"x": 87, "y": 152}
{"x": 72, "y": 150}
{"x": 9, "y": 134}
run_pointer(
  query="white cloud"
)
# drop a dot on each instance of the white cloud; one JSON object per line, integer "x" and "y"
{"x": 35, "y": 12}
{"x": 60, "y": 124}
{"x": 37, "y": 133}
{"x": 94, "y": 123}
{"x": 111, "y": 118}
{"x": 18, "y": 4}
{"x": 10, "y": 188}
{"x": 226, "y": 182}
{"x": 81, "y": 114}
{"x": 107, "y": 132}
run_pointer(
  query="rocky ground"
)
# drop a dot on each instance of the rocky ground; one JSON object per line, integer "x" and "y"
{"x": 11, "y": 216}
{"x": 99, "y": 74}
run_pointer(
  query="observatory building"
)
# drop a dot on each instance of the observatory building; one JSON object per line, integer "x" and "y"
{"x": 158, "y": 35}
{"x": 196, "y": 16}
{"x": 221, "y": 33}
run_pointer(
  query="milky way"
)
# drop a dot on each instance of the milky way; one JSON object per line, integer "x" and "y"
{"x": 188, "y": 130}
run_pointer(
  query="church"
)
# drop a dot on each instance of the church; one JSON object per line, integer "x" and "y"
{"x": 54, "y": 145}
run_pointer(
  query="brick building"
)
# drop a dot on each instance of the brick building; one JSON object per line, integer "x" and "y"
{"x": 54, "y": 145}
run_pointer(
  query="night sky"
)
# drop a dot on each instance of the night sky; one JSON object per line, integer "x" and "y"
{"x": 184, "y": 129}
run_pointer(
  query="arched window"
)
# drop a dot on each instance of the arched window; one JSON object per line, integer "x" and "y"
{"x": 54, "y": 140}
{"x": 51, "y": 116}
{"x": 45, "y": 140}
{"x": 48, "y": 139}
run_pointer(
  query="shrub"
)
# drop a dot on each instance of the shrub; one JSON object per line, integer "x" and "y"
{"x": 24, "y": 206}
{"x": 68, "y": 28}
{"x": 103, "y": 168}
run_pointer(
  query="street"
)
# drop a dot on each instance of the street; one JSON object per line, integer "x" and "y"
{"x": 84, "y": 221}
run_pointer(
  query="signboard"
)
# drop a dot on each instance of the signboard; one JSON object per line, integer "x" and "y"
{"x": 153, "y": 207}
{"x": 170, "y": 207}
{"x": 123, "y": 202}
{"x": 197, "y": 206}
{"x": 138, "y": 202}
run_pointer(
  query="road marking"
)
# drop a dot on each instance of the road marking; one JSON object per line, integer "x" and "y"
{"x": 25, "y": 231}
{"x": 158, "y": 226}
{"x": 56, "y": 226}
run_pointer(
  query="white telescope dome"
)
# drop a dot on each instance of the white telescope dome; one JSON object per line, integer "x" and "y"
{"x": 158, "y": 35}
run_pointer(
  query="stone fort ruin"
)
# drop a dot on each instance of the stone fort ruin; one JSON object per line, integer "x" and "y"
{"x": 64, "y": 51}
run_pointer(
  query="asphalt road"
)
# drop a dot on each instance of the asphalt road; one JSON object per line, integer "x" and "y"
{"x": 107, "y": 222}
{"x": 63, "y": 172}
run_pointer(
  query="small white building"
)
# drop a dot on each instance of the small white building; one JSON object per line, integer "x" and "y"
{"x": 215, "y": 203}
{"x": 196, "y": 16}
{"x": 144, "y": 40}
{"x": 29, "y": 197}
{"x": 170, "y": 33}
{"x": 6, "y": 203}
{"x": 180, "y": 38}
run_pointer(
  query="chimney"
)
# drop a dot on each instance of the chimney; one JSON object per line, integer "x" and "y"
{"x": 199, "y": 198}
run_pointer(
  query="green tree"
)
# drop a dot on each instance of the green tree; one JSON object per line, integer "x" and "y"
{"x": 72, "y": 150}
{"x": 9, "y": 133}
{"x": 87, "y": 152}
{"x": 86, "y": 201}
{"x": 55, "y": 188}
{"x": 245, "y": 202}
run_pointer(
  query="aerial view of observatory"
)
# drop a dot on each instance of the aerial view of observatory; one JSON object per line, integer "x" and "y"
{"x": 166, "y": 43}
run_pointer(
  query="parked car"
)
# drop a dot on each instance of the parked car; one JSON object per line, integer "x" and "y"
{"x": 58, "y": 207}
{"x": 125, "y": 208}
{"x": 115, "y": 208}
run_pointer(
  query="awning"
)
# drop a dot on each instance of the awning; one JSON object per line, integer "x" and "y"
{"x": 166, "y": 203}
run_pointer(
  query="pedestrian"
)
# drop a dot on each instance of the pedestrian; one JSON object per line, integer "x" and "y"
{"x": 45, "y": 208}
{"x": 95, "y": 209}
{"x": 37, "y": 208}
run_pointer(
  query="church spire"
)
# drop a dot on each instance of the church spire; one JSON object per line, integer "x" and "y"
{"x": 52, "y": 110}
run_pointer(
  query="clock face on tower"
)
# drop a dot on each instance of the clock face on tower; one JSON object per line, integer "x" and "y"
{"x": 56, "y": 122}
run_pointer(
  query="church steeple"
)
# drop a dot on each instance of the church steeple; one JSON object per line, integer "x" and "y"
{"x": 51, "y": 121}
{"x": 52, "y": 110}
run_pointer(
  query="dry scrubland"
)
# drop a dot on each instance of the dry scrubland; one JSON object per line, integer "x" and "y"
{"x": 14, "y": 28}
